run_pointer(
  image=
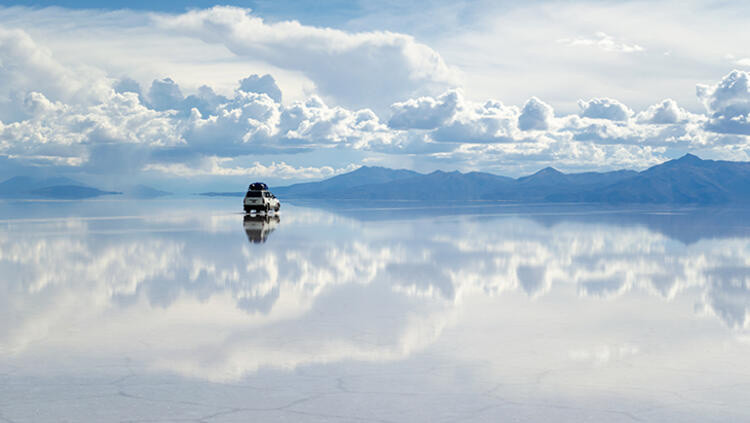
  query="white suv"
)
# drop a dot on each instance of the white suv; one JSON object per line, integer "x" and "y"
{"x": 258, "y": 199}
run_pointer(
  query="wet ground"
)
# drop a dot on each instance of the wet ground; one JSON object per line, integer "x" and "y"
{"x": 186, "y": 310}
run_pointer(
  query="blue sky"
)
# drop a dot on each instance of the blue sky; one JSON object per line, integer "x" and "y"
{"x": 284, "y": 91}
{"x": 329, "y": 13}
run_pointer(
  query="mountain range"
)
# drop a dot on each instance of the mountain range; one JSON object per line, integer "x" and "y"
{"x": 687, "y": 180}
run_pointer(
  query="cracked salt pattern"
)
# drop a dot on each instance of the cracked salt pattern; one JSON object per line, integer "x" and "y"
{"x": 182, "y": 310}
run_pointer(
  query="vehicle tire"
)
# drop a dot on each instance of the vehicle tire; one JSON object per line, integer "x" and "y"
{"x": 277, "y": 208}
{"x": 248, "y": 209}
{"x": 267, "y": 209}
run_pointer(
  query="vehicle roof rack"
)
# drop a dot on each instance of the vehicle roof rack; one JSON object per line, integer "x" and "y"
{"x": 257, "y": 186}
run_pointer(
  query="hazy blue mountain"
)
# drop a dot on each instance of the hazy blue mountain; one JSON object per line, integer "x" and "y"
{"x": 549, "y": 184}
{"x": 688, "y": 180}
{"x": 144, "y": 192}
{"x": 23, "y": 185}
{"x": 437, "y": 185}
{"x": 223, "y": 194}
{"x": 365, "y": 175}
{"x": 70, "y": 192}
{"x": 56, "y": 187}
{"x": 447, "y": 186}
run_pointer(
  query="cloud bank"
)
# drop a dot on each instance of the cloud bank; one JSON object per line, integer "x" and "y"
{"x": 366, "y": 69}
{"x": 378, "y": 97}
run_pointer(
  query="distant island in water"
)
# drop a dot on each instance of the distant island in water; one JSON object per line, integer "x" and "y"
{"x": 687, "y": 180}
{"x": 62, "y": 188}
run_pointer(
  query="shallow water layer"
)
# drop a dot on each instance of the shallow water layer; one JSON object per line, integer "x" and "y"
{"x": 186, "y": 310}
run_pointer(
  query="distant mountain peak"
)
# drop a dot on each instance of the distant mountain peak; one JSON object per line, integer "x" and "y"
{"x": 367, "y": 169}
{"x": 549, "y": 171}
{"x": 690, "y": 158}
{"x": 544, "y": 174}
{"x": 442, "y": 172}
{"x": 687, "y": 159}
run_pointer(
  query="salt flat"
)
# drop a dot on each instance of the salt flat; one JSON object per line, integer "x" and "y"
{"x": 186, "y": 310}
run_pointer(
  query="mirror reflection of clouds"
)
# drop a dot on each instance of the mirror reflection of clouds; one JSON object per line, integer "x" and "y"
{"x": 190, "y": 294}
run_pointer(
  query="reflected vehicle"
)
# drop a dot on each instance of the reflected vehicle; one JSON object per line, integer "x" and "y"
{"x": 259, "y": 199}
{"x": 257, "y": 227}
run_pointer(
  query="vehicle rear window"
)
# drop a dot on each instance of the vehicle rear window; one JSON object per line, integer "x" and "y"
{"x": 255, "y": 194}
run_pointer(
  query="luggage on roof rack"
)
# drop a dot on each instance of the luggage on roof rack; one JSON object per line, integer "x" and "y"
{"x": 257, "y": 186}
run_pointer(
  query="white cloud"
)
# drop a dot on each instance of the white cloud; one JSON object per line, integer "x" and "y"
{"x": 510, "y": 52}
{"x": 728, "y": 103}
{"x": 425, "y": 112}
{"x": 535, "y": 115}
{"x": 218, "y": 166}
{"x": 261, "y": 84}
{"x": 602, "y": 41}
{"x": 59, "y": 131}
{"x": 366, "y": 69}
{"x": 94, "y": 124}
{"x": 26, "y": 66}
{"x": 666, "y": 112}
{"x": 490, "y": 122}
{"x": 604, "y": 108}
{"x": 314, "y": 123}
{"x": 246, "y": 123}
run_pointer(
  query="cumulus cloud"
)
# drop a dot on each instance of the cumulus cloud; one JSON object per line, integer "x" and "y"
{"x": 224, "y": 166}
{"x": 165, "y": 94}
{"x": 728, "y": 103}
{"x": 451, "y": 118}
{"x": 80, "y": 126}
{"x": 366, "y": 69}
{"x": 425, "y": 112}
{"x": 261, "y": 84}
{"x": 253, "y": 122}
{"x": 490, "y": 122}
{"x": 666, "y": 112}
{"x": 604, "y": 108}
{"x": 56, "y": 132}
{"x": 25, "y": 66}
{"x": 245, "y": 124}
{"x": 535, "y": 114}
{"x": 313, "y": 122}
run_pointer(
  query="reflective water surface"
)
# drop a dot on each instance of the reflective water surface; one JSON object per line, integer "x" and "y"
{"x": 186, "y": 310}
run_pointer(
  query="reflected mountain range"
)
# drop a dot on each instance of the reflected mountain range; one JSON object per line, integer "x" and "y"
{"x": 687, "y": 224}
{"x": 334, "y": 287}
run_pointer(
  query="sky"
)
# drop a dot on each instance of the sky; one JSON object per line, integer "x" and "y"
{"x": 191, "y": 96}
